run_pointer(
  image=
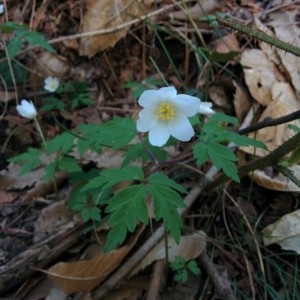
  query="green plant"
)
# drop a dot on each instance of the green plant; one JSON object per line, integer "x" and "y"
{"x": 182, "y": 268}
{"x": 21, "y": 34}
{"x": 96, "y": 194}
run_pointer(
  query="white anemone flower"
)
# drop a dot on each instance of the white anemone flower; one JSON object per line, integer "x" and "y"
{"x": 27, "y": 109}
{"x": 1, "y": 9}
{"x": 51, "y": 84}
{"x": 165, "y": 113}
{"x": 205, "y": 108}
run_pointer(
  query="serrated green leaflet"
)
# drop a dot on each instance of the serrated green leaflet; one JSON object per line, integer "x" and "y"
{"x": 126, "y": 173}
{"x": 166, "y": 201}
{"x": 62, "y": 143}
{"x": 161, "y": 179}
{"x": 116, "y": 133}
{"x": 91, "y": 213}
{"x": 30, "y": 160}
{"x": 238, "y": 139}
{"x": 137, "y": 151}
{"x": 128, "y": 206}
{"x": 218, "y": 152}
{"x": 126, "y": 209}
{"x": 221, "y": 117}
{"x": 115, "y": 237}
{"x": 222, "y": 158}
{"x": 68, "y": 164}
{"x": 200, "y": 153}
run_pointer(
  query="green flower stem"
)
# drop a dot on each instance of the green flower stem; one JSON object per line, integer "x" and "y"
{"x": 40, "y": 132}
{"x": 231, "y": 23}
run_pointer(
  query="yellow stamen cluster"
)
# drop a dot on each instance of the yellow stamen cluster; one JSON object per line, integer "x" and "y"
{"x": 166, "y": 111}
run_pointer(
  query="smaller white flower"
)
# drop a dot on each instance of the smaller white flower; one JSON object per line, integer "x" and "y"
{"x": 165, "y": 113}
{"x": 51, "y": 84}
{"x": 205, "y": 108}
{"x": 27, "y": 109}
{"x": 1, "y": 9}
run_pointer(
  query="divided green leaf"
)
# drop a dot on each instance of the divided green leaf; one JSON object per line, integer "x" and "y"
{"x": 29, "y": 160}
{"x": 126, "y": 209}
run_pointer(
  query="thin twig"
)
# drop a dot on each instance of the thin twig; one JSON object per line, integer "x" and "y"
{"x": 268, "y": 122}
{"x": 157, "y": 280}
{"x": 259, "y": 35}
{"x": 220, "y": 281}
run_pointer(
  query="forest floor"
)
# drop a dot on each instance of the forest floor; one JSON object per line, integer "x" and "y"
{"x": 105, "y": 53}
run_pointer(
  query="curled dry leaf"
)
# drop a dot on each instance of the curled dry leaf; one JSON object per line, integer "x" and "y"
{"x": 241, "y": 101}
{"x": 196, "y": 12}
{"x": 286, "y": 27}
{"x": 259, "y": 75}
{"x": 284, "y": 102}
{"x": 285, "y": 232}
{"x": 110, "y": 15}
{"x": 189, "y": 247}
{"x": 48, "y": 63}
{"x": 278, "y": 182}
{"x": 84, "y": 275}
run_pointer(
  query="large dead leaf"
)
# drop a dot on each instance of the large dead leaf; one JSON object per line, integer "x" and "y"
{"x": 259, "y": 75}
{"x": 286, "y": 27}
{"x": 190, "y": 247}
{"x": 84, "y": 275}
{"x": 284, "y": 102}
{"x": 47, "y": 63}
{"x": 108, "y": 14}
{"x": 285, "y": 232}
{"x": 11, "y": 179}
{"x": 278, "y": 182}
{"x": 52, "y": 218}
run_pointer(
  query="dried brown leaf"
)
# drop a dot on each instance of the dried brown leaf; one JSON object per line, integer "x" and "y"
{"x": 286, "y": 28}
{"x": 48, "y": 63}
{"x": 107, "y": 14}
{"x": 278, "y": 182}
{"x": 285, "y": 232}
{"x": 51, "y": 219}
{"x": 189, "y": 247}
{"x": 259, "y": 75}
{"x": 84, "y": 275}
{"x": 241, "y": 101}
{"x": 284, "y": 102}
{"x": 11, "y": 179}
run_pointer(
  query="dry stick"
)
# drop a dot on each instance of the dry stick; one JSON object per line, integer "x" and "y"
{"x": 114, "y": 280}
{"x": 259, "y": 35}
{"x": 268, "y": 122}
{"x": 220, "y": 281}
{"x": 158, "y": 279}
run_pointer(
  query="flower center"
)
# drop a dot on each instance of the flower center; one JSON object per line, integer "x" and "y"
{"x": 166, "y": 111}
{"x": 53, "y": 84}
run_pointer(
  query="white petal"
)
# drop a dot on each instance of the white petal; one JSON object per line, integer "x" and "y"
{"x": 51, "y": 84}
{"x": 167, "y": 93}
{"x": 159, "y": 134}
{"x": 26, "y": 109}
{"x": 149, "y": 98}
{"x": 181, "y": 129}
{"x": 146, "y": 121}
{"x": 205, "y": 108}
{"x": 187, "y": 105}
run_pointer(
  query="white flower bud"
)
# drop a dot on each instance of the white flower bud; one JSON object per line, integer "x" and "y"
{"x": 27, "y": 109}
